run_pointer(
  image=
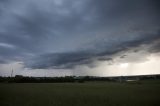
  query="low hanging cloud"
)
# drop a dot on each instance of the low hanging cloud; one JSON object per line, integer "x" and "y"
{"x": 63, "y": 34}
{"x": 72, "y": 59}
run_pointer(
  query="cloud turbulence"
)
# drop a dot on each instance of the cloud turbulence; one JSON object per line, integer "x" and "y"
{"x": 64, "y": 34}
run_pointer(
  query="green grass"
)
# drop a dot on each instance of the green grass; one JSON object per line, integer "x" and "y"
{"x": 81, "y": 94}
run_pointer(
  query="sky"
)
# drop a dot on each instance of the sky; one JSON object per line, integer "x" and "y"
{"x": 79, "y": 37}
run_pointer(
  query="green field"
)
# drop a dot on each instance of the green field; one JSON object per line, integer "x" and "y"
{"x": 80, "y": 94}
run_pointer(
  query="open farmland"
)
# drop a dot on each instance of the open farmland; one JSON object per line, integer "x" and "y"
{"x": 145, "y": 93}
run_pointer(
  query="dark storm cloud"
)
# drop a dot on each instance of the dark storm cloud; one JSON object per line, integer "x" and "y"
{"x": 72, "y": 59}
{"x": 60, "y": 60}
{"x": 67, "y": 33}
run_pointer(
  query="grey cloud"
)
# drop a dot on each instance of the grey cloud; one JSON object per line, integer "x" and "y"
{"x": 60, "y": 60}
{"x": 155, "y": 47}
{"x": 72, "y": 59}
{"x": 123, "y": 56}
{"x": 63, "y": 35}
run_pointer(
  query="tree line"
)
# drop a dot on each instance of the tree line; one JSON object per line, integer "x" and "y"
{"x": 71, "y": 79}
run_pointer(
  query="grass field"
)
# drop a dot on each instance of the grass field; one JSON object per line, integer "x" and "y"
{"x": 146, "y": 93}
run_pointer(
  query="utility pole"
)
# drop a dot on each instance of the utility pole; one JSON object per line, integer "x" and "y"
{"x": 12, "y": 73}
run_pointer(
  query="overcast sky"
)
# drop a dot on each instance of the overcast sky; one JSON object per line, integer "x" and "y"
{"x": 79, "y": 37}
